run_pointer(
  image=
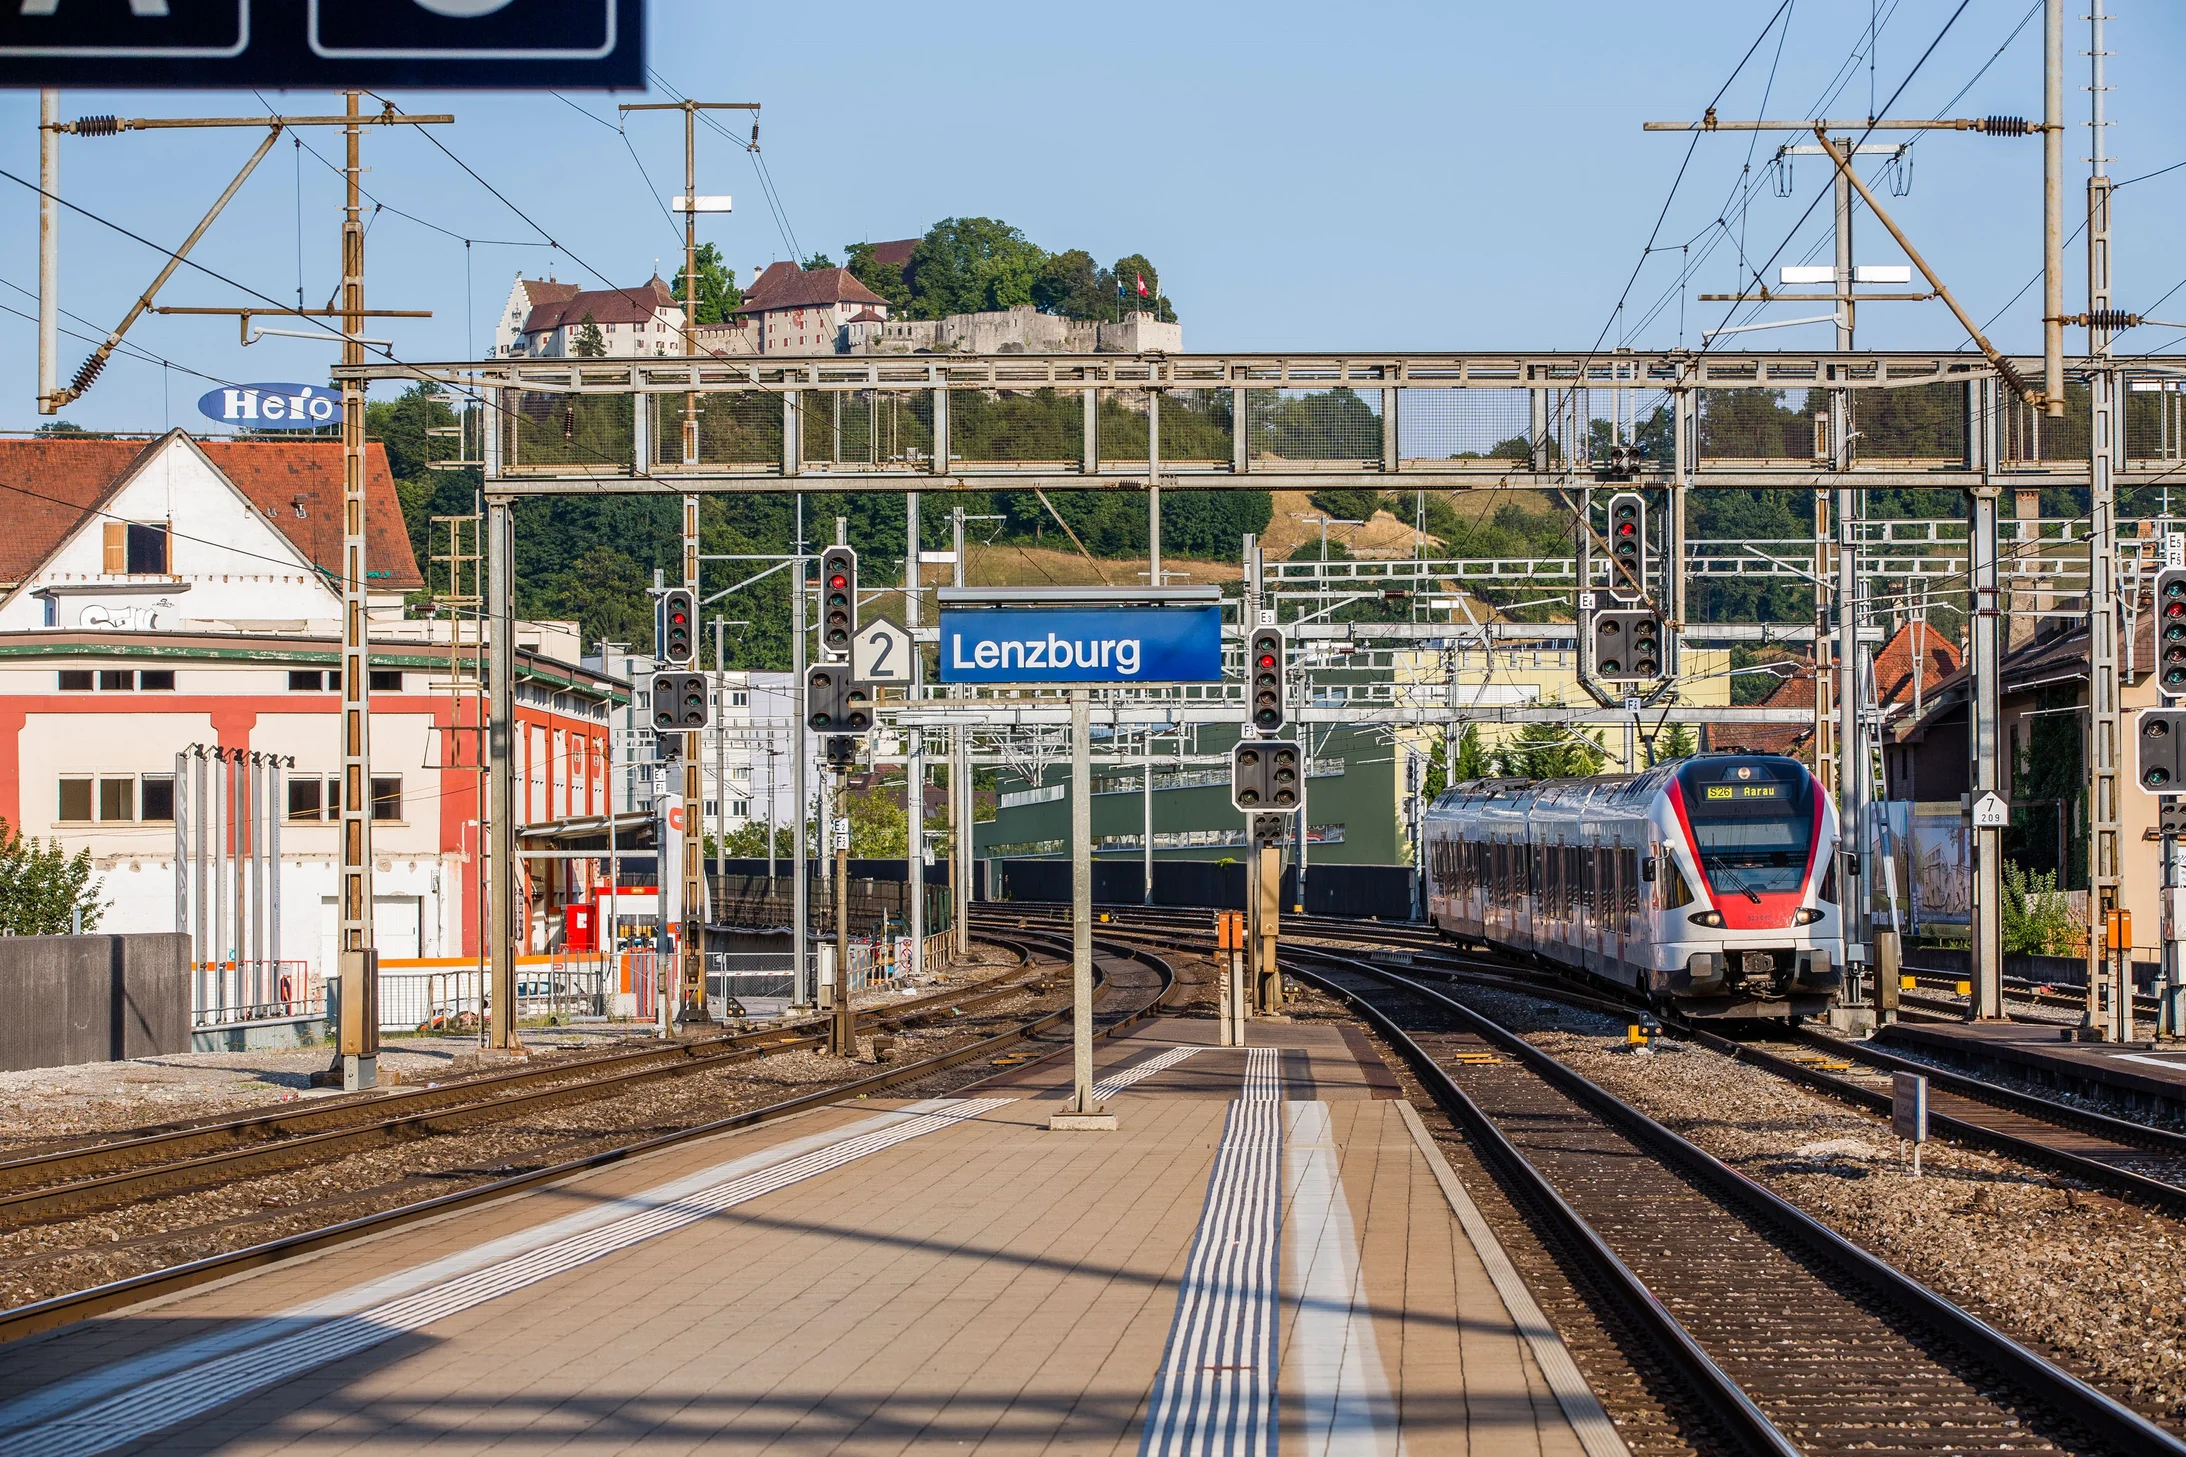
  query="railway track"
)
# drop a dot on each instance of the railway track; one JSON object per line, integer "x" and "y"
{"x": 62, "y": 1183}
{"x": 2120, "y": 1156}
{"x": 1795, "y": 1339}
{"x": 1131, "y": 995}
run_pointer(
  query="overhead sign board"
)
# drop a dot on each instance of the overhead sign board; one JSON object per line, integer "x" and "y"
{"x": 272, "y": 406}
{"x": 323, "y": 43}
{"x": 1081, "y": 645}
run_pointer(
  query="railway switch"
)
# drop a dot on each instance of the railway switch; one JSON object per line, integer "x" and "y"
{"x": 676, "y": 632}
{"x": 838, "y": 599}
{"x": 679, "y": 701}
{"x": 2163, "y": 750}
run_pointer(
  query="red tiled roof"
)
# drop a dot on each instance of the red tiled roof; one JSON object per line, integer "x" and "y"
{"x": 1939, "y": 658}
{"x": 605, "y": 305}
{"x": 866, "y": 316}
{"x": 276, "y": 474}
{"x": 808, "y": 288}
{"x": 546, "y": 291}
{"x": 52, "y": 484}
{"x": 773, "y": 276}
{"x": 895, "y": 254}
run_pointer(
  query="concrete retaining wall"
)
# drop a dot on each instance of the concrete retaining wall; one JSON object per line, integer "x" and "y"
{"x": 74, "y": 999}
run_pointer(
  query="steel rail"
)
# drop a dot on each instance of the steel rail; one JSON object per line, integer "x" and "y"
{"x": 62, "y": 1182}
{"x": 2063, "y": 1393}
{"x": 61, "y": 1310}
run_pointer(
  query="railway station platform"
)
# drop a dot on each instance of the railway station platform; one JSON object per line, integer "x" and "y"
{"x": 1268, "y": 1253}
{"x": 2144, "y": 1073}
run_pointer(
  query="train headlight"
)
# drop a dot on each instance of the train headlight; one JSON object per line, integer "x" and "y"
{"x": 1806, "y": 916}
{"x": 1706, "y": 918}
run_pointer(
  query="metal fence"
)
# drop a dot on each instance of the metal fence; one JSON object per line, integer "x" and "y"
{"x": 224, "y": 993}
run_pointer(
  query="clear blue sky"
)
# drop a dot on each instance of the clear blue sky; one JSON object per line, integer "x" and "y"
{"x": 1432, "y": 176}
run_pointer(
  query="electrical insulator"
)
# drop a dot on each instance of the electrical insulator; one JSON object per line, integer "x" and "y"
{"x": 2005, "y": 126}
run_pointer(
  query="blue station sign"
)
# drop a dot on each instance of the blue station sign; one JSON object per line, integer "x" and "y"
{"x": 1081, "y": 644}
{"x": 272, "y": 406}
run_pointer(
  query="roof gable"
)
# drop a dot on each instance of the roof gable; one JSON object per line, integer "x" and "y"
{"x": 806, "y": 288}
{"x": 605, "y": 305}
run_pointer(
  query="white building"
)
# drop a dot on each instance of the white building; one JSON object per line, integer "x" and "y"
{"x": 746, "y": 765}
{"x": 162, "y": 595}
{"x": 646, "y": 320}
{"x": 527, "y": 294}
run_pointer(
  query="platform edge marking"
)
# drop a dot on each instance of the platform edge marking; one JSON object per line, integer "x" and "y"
{"x": 1597, "y": 1434}
{"x": 1348, "y": 1408}
{"x": 147, "y": 1408}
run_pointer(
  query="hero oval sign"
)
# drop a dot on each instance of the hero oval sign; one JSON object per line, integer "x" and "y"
{"x": 272, "y": 406}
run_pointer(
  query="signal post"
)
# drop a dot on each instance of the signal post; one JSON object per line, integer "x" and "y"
{"x": 2161, "y": 742}
{"x": 840, "y": 710}
{"x": 1267, "y": 784}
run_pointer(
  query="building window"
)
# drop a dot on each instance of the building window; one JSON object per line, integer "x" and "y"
{"x": 157, "y": 680}
{"x": 739, "y": 809}
{"x": 75, "y": 680}
{"x": 158, "y": 801}
{"x": 116, "y": 680}
{"x": 304, "y": 799}
{"x": 739, "y": 698}
{"x": 386, "y": 680}
{"x": 305, "y": 680}
{"x": 75, "y": 799}
{"x": 117, "y": 799}
{"x": 387, "y": 798}
{"x": 135, "y": 549}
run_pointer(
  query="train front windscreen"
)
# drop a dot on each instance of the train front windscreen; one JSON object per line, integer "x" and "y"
{"x": 1753, "y": 823}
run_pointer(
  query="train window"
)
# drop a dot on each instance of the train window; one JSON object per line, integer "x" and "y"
{"x": 1752, "y": 823}
{"x": 1675, "y": 892}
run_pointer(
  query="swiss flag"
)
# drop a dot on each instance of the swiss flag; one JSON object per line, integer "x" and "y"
{"x": 1142, "y": 284}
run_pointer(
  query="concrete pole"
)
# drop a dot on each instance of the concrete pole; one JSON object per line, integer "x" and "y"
{"x": 49, "y": 252}
{"x": 217, "y": 881}
{"x": 182, "y": 846}
{"x": 914, "y": 789}
{"x": 276, "y": 807}
{"x": 359, "y": 956}
{"x": 1081, "y": 1113}
{"x": 2102, "y": 587}
{"x": 505, "y": 898}
{"x": 962, "y": 827}
{"x": 807, "y": 990}
{"x": 845, "y": 1022}
{"x": 2053, "y": 207}
{"x": 1988, "y": 844}
{"x": 201, "y": 876}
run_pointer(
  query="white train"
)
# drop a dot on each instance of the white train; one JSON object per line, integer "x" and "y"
{"x": 1708, "y": 883}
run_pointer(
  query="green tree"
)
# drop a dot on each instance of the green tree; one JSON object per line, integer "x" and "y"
{"x": 591, "y": 344}
{"x": 816, "y": 262}
{"x": 1472, "y": 760}
{"x": 879, "y": 828}
{"x": 971, "y": 265}
{"x": 1073, "y": 285}
{"x": 1130, "y": 271}
{"x": 718, "y": 294}
{"x": 885, "y": 279}
{"x": 748, "y": 841}
{"x": 1548, "y": 751}
{"x": 42, "y": 886}
{"x": 2037, "y": 919}
{"x": 1347, "y": 504}
{"x": 1674, "y": 742}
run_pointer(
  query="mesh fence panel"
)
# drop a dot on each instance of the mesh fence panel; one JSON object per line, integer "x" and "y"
{"x": 1196, "y": 428}
{"x": 1336, "y": 428}
{"x": 1122, "y": 427}
{"x": 2155, "y": 419}
{"x": 2024, "y": 433}
{"x": 1762, "y": 424}
{"x": 1477, "y": 424}
{"x": 1917, "y": 422}
{"x": 1030, "y": 427}
{"x": 581, "y": 433}
{"x": 735, "y": 428}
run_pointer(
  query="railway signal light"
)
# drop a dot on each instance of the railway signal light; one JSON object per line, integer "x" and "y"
{"x": 677, "y": 634}
{"x": 1624, "y": 461}
{"x": 1628, "y": 645}
{"x": 1264, "y": 675}
{"x": 834, "y": 704}
{"x": 2163, "y": 750}
{"x": 679, "y": 701}
{"x": 1628, "y": 543}
{"x": 1267, "y": 776}
{"x": 838, "y": 598}
{"x": 2171, "y": 632}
